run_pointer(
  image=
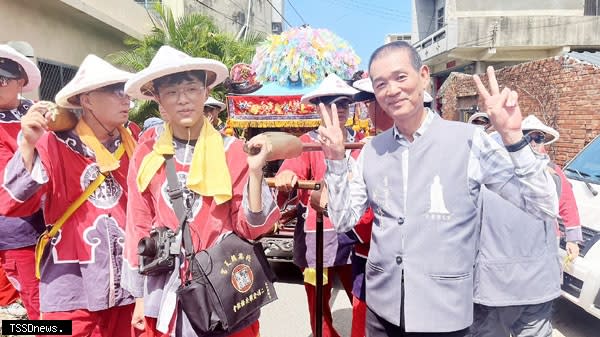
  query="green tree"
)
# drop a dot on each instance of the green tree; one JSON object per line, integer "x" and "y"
{"x": 196, "y": 35}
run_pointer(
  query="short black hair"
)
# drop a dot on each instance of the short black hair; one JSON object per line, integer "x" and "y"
{"x": 415, "y": 59}
{"x": 177, "y": 78}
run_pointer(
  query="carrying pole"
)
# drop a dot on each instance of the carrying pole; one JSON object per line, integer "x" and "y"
{"x": 314, "y": 185}
{"x": 319, "y": 280}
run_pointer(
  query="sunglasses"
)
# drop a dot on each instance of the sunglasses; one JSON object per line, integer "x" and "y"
{"x": 536, "y": 137}
{"x": 4, "y": 81}
{"x": 118, "y": 89}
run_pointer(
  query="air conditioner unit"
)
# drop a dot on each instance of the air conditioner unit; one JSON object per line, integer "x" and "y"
{"x": 276, "y": 27}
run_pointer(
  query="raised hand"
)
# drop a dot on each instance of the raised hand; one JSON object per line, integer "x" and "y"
{"x": 331, "y": 136}
{"x": 502, "y": 108}
{"x": 258, "y": 161}
{"x": 35, "y": 123}
{"x": 33, "y": 126}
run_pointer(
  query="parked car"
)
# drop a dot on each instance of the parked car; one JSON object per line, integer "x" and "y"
{"x": 581, "y": 277}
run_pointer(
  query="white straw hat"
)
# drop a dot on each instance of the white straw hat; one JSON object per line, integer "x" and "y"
{"x": 34, "y": 78}
{"x": 478, "y": 115}
{"x": 364, "y": 84}
{"x": 332, "y": 85}
{"x": 533, "y": 123}
{"x": 93, "y": 73}
{"x": 169, "y": 60}
{"x": 213, "y": 102}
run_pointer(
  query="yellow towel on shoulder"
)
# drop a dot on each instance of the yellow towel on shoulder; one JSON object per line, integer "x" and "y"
{"x": 106, "y": 161}
{"x": 208, "y": 174}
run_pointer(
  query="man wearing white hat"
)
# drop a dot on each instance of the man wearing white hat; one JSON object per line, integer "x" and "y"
{"x": 518, "y": 276}
{"x": 79, "y": 178}
{"x": 212, "y": 108}
{"x": 311, "y": 165}
{"x": 18, "y": 235}
{"x": 223, "y": 192}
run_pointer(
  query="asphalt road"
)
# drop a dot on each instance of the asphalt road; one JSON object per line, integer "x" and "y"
{"x": 288, "y": 316}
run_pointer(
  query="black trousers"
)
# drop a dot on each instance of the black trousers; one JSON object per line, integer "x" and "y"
{"x": 379, "y": 327}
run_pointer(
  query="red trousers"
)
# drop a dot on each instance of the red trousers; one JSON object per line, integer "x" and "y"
{"x": 150, "y": 331}
{"x": 19, "y": 265}
{"x": 359, "y": 317}
{"x": 113, "y": 322}
{"x": 8, "y": 293}
{"x": 344, "y": 273}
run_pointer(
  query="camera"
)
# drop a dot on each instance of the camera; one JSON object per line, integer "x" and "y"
{"x": 157, "y": 251}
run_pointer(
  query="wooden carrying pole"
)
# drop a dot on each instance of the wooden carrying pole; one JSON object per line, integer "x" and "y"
{"x": 314, "y": 185}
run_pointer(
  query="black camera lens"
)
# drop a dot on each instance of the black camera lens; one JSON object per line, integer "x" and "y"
{"x": 147, "y": 247}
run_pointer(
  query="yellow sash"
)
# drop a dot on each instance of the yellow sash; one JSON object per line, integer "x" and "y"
{"x": 208, "y": 174}
{"x": 105, "y": 160}
{"x": 50, "y": 233}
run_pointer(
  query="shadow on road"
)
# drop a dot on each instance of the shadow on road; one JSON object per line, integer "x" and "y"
{"x": 287, "y": 272}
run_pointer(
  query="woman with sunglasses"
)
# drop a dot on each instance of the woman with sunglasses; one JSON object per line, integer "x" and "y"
{"x": 18, "y": 235}
{"x": 80, "y": 267}
{"x": 516, "y": 298}
{"x": 539, "y": 136}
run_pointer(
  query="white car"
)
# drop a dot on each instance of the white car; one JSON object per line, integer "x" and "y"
{"x": 581, "y": 278}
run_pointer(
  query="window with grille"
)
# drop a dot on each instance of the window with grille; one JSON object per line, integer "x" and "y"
{"x": 54, "y": 77}
{"x": 440, "y": 18}
{"x": 592, "y": 8}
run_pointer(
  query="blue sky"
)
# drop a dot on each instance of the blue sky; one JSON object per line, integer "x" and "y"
{"x": 363, "y": 23}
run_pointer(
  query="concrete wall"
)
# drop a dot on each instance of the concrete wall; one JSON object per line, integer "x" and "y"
{"x": 526, "y": 8}
{"x": 227, "y": 13}
{"x": 423, "y": 19}
{"x": 560, "y": 91}
{"x": 62, "y": 33}
{"x": 528, "y": 32}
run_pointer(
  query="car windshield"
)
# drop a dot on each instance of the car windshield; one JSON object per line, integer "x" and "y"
{"x": 586, "y": 166}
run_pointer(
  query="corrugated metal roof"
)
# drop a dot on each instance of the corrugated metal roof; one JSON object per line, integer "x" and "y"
{"x": 586, "y": 56}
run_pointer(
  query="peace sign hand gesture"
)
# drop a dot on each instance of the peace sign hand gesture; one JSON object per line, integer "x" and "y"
{"x": 502, "y": 108}
{"x": 331, "y": 135}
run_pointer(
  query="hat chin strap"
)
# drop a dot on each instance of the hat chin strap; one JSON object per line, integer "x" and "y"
{"x": 110, "y": 133}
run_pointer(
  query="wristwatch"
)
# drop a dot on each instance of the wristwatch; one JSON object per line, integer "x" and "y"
{"x": 518, "y": 145}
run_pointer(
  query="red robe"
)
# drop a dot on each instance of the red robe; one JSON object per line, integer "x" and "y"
{"x": 152, "y": 208}
{"x": 81, "y": 267}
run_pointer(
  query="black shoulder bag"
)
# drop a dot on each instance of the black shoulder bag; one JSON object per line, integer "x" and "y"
{"x": 225, "y": 285}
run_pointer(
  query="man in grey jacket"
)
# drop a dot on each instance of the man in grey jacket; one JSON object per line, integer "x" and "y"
{"x": 422, "y": 178}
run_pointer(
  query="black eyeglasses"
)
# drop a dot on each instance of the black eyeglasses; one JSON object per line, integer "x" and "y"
{"x": 537, "y": 137}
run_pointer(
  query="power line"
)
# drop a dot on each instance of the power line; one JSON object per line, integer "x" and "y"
{"x": 225, "y": 15}
{"x": 216, "y": 11}
{"x": 276, "y": 10}
{"x": 294, "y": 8}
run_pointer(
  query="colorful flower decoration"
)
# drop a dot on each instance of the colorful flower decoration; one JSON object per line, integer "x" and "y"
{"x": 304, "y": 56}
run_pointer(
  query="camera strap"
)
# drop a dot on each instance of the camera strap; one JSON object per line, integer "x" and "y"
{"x": 175, "y": 192}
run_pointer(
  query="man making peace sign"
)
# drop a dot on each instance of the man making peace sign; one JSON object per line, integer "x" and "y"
{"x": 422, "y": 178}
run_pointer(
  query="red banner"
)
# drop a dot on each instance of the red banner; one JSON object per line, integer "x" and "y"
{"x": 271, "y": 111}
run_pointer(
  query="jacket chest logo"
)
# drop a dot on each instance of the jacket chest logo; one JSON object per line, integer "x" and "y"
{"x": 437, "y": 205}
